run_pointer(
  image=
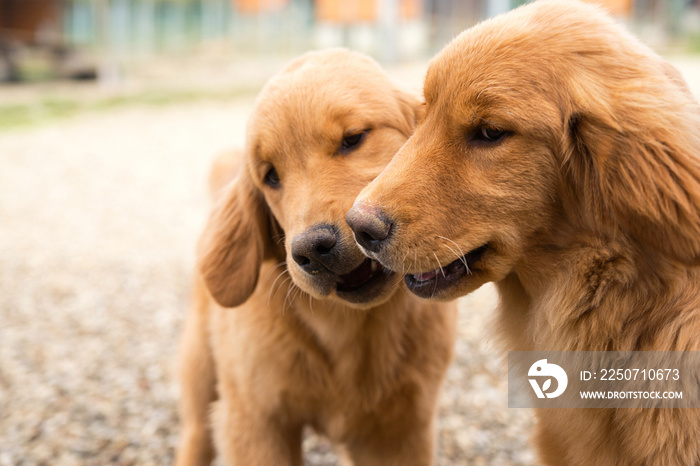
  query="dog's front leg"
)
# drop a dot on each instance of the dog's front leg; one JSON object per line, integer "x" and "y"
{"x": 198, "y": 384}
{"x": 247, "y": 437}
{"x": 408, "y": 445}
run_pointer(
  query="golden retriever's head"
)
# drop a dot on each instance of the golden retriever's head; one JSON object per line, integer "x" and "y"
{"x": 550, "y": 118}
{"x": 321, "y": 130}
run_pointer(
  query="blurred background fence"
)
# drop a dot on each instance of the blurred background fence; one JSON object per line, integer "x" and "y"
{"x": 90, "y": 38}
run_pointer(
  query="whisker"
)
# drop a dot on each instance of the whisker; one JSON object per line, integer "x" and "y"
{"x": 439, "y": 264}
{"x": 397, "y": 284}
{"x": 457, "y": 245}
{"x": 296, "y": 294}
{"x": 278, "y": 265}
{"x": 299, "y": 293}
{"x": 282, "y": 283}
{"x": 403, "y": 262}
{"x": 461, "y": 256}
{"x": 287, "y": 297}
{"x": 289, "y": 290}
{"x": 272, "y": 288}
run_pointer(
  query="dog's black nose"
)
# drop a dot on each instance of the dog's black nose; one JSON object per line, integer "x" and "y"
{"x": 315, "y": 249}
{"x": 371, "y": 226}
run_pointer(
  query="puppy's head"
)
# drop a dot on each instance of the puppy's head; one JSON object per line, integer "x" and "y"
{"x": 550, "y": 115}
{"x": 321, "y": 130}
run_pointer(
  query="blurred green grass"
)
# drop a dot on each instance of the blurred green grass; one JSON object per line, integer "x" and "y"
{"x": 49, "y": 108}
{"x": 694, "y": 44}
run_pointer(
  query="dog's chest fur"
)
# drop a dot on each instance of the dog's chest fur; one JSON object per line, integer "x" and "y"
{"x": 603, "y": 295}
{"x": 331, "y": 367}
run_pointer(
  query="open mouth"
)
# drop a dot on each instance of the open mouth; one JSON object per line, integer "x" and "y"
{"x": 363, "y": 283}
{"x": 428, "y": 284}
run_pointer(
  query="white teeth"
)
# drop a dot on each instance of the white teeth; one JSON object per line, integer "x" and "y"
{"x": 374, "y": 266}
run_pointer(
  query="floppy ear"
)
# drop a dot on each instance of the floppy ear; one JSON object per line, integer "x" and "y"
{"x": 234, "y": 242}
{"x": 412, "y": 109}
{"x": 635, "y": 153}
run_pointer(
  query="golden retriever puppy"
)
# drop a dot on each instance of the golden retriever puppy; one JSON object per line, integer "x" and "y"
{"x": 320, "y": 336}
{"x": 559, "y": 158}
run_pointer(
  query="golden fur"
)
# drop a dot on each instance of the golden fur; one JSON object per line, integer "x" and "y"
{"x": 560, "y": 158}
{"x": 365, "y": 367}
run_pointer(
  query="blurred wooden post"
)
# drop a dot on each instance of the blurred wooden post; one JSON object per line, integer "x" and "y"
{"x": 620, "y": 8}
{"x": 108, "y": 69}
{"x": 34, "y": 23}
{"x": 388, "y": 19}
{"x": 496, "y": 7}
{"x": 258, "y": 7}
{"x": 345, "y": 12}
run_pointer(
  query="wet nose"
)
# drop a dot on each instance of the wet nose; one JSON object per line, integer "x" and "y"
{"x": 315, "y": 249}
{"x": 371, "y": 226}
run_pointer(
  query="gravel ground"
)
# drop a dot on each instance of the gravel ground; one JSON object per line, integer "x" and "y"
{"x": 98, "y": 220}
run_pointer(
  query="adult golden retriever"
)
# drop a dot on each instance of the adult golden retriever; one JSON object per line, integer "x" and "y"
{"x": 320, "y": 335}
{"x": 559, "y": 158}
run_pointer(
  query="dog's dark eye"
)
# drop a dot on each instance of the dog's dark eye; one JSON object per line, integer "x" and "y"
{"x": 488, "y": 134}
{"x": 352, "y": 141}
{"x": 272, "y": 179}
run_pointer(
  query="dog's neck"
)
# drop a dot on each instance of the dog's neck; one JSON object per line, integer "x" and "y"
{"x": 569, "y": 281}
{"x": 340, "y": 329}
{"x": 362, "y": 349}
